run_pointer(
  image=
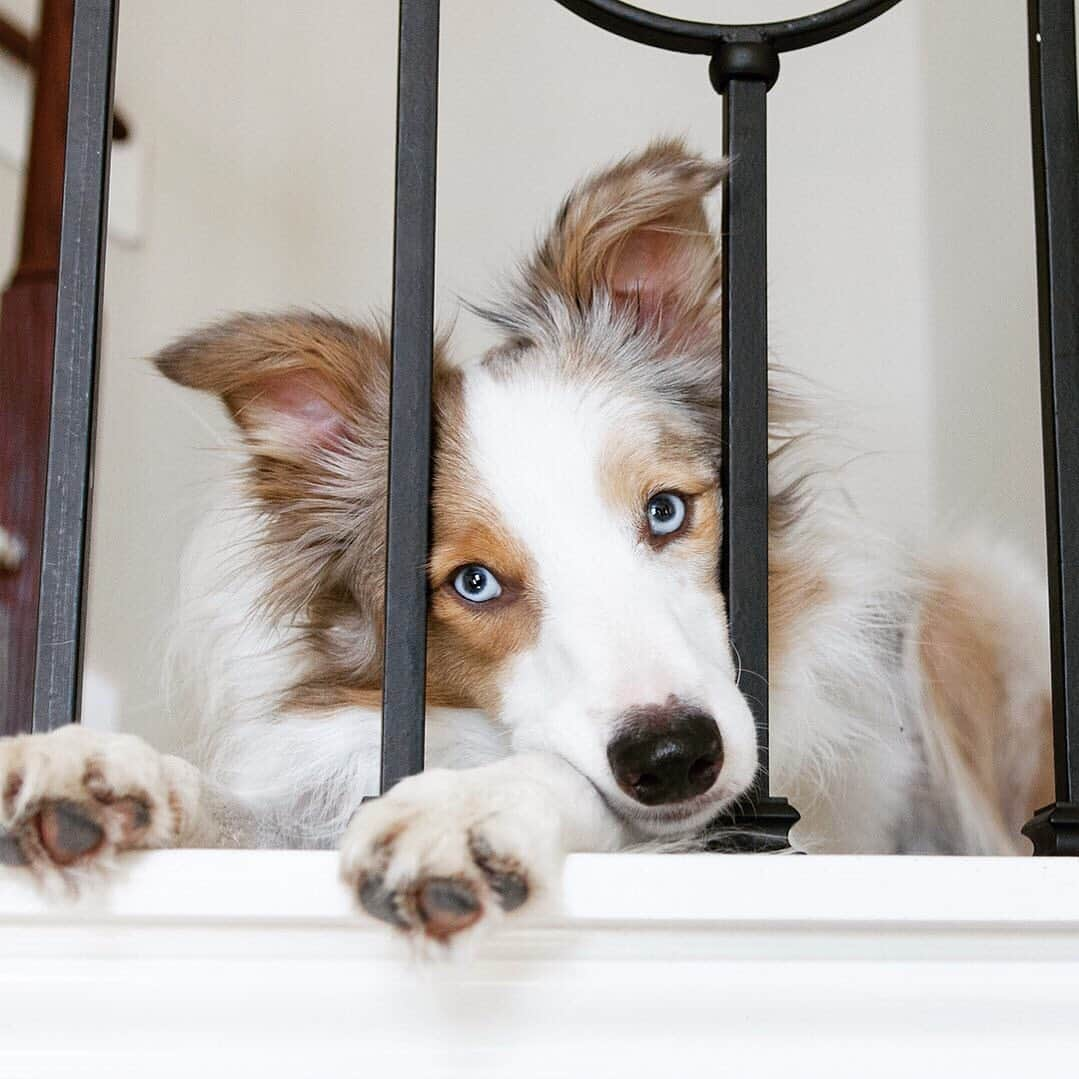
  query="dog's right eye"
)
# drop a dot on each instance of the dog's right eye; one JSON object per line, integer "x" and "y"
{"x": 666, "y": 513}
{"x": 477, "y": 584}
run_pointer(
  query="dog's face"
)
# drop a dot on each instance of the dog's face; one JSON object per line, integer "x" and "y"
{"x": 574, "y": 586}
{"x": 576, "y": 514}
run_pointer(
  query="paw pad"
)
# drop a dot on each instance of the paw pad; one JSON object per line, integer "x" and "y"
{"x": 67, "y": 833}
{"x": 447, "y": 906}
{"x": 505, "y": 877}
{"x": 380, "y": 902}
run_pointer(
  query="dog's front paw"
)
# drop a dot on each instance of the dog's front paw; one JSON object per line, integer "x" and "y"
{"x": 441, "y": 857}
{"x": 72, "y": 798}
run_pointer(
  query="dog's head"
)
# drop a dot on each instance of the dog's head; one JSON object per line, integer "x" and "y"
{"x": 576, "y": 510}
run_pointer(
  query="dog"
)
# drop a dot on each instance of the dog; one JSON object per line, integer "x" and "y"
{"x": 582, "y": 691}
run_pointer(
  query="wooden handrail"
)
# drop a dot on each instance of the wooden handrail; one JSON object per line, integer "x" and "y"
{"x": 20, "y": 46}
{"x": 27, "y": 334}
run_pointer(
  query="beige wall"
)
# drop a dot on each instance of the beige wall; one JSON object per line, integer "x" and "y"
{"x": 983, "y": 317}
{"x": 901, "y": 250}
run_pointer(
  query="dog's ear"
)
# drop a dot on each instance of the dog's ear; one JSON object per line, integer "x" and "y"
{"x": 296, "y": 383}
{"x": 310, "y": 395}
{"x": 639, "y": 233}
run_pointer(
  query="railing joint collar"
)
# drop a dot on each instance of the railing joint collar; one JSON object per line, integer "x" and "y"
{"x": 752, "y": 58}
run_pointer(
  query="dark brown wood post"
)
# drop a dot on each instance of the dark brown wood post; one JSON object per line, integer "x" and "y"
{"x": 27, "y": 325}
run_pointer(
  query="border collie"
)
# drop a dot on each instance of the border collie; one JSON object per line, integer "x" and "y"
{"x": 583, "y": 693}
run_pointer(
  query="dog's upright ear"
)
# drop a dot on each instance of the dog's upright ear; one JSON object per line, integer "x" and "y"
{"x": 638, "y": 232}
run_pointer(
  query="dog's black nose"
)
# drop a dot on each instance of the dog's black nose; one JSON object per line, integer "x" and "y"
{"x": 666, "y": 754}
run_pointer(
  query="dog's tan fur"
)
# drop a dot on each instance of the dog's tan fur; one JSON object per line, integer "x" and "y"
{"x": 990, "y": 703}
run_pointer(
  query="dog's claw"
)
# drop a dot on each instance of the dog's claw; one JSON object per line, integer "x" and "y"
{"x": 67, "y": 833}
{"x": 10, "y": 852}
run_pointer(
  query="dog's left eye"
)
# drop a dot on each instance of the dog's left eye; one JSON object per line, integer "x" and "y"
{"x": 477, "y": 584}
{"x": 666, "y": 513}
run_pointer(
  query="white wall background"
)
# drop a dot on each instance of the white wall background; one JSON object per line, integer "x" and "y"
{"x": 901, "y": 235}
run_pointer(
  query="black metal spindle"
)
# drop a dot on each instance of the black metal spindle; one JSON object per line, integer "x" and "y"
{"x": 1055, "y": 136}
{"x": 744, "y": 571}
{"x": 408, "y": 512}
{"x": 743, "y": 71}
{"x": 57, "y": 672}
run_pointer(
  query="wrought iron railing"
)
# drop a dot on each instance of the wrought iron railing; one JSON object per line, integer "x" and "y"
{"x": 744, "y": 65}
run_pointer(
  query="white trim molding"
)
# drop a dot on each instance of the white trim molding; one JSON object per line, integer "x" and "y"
{"x": 197, "y": 963}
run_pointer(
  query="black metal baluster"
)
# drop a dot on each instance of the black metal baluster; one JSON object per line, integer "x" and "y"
{"x": 1055, "y": 133}
{"x": 408, "y": 511}
{"x": 58, "y": 667}
{"x": 743, "y": 72}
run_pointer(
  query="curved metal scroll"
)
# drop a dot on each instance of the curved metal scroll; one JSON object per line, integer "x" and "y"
{"x": 684, "y": 35}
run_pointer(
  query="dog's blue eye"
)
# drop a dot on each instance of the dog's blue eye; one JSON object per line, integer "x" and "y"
{"x": 666, "y": 513}
{"x": 477, "y": 584}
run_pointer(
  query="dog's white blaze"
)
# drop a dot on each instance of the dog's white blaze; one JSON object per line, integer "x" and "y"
{"x": 622, "y": 627}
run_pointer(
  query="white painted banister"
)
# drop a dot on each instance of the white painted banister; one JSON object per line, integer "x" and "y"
{"x": 201, "y": 963}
